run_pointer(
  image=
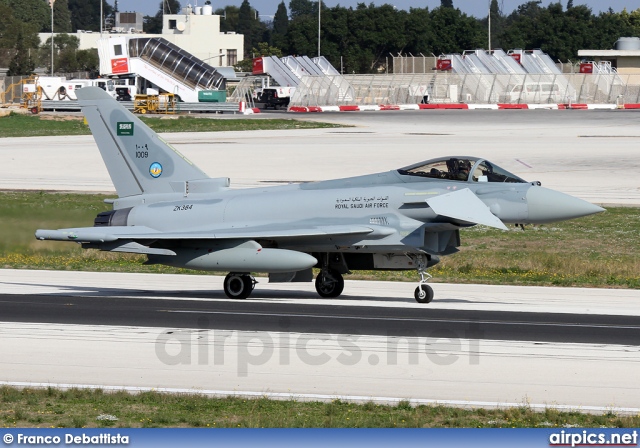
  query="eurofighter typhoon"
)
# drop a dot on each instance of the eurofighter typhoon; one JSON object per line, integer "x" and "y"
{"x": 403, "y": 219}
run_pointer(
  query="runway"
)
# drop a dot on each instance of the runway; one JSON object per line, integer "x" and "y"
{"x": 127, "y": 308}
{"x": 589, "y": 154}
{"x": 553, "y": 347}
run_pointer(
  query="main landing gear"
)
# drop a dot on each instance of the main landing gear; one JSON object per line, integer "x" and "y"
{"x": 329, "y": 282}
{"x": 424, "y": 292}
{"x": 238, "y": 286}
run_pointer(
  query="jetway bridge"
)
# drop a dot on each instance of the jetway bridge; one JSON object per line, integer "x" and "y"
{"x": 161, "y": 65}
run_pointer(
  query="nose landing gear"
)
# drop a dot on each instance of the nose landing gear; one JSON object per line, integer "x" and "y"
{"x": 424, "y": 292}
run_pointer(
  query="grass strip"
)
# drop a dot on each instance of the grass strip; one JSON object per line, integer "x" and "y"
{"x": 16, "y": 125}
{"x": 597, "y": 251}
{"x": 81, "y": 408}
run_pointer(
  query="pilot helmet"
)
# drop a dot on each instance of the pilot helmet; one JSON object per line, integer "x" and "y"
{"x": 464, "y": 164}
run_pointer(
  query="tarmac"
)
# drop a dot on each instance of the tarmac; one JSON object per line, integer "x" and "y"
{"x": 591, "y": 154}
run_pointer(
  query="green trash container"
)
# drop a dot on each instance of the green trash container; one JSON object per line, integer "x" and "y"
{"x": 212, "y": 96}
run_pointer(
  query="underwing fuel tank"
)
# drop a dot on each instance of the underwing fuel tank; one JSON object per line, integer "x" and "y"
{"x": 238, "y": 259}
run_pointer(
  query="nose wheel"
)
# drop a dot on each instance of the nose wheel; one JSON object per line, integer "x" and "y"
{"x": 424, "y": 292}
{"x": 238, "y": 286}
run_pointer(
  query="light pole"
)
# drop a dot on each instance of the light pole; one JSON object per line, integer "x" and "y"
{"x": 489, "y": 25}
{"x": 319, "y": 9}
{"x": 51, "y": 2}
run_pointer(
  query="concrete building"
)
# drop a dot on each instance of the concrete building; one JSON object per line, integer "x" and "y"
{"x": 625, "y": 57}
{"x": 195, "y": 30}
{"x": 129, "y": 22}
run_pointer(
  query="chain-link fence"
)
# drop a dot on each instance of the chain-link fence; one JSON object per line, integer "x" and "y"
{"x": 414, "y": 64}
{"x": 11, "y": 89}
{"x": 427, "y": 64}
{"x": 447, "y": 87}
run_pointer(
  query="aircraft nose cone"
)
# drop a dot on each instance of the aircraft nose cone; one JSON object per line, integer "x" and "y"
{"x": 549, "y": 206}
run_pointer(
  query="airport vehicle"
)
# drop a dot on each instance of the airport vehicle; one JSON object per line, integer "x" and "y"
{"x": 275, "y": 97}
{"x": 403, "y": 219}
{"x": 61, "y": 89}
{"x": 534, "y": 92}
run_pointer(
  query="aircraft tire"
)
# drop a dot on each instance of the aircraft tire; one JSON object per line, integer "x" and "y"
{"x": 238, "y": 286}
{"x": 327, "y": 288}
{"x": 424, "y": 294}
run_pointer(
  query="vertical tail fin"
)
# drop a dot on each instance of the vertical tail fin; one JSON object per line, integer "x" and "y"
{"x": 138, "y": 160}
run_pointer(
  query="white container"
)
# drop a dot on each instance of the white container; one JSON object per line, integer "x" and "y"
{"x": 207, "y": 10}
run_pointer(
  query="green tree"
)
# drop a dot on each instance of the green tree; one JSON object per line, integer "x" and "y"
{"x": 456, "y": 31}
{"x": 10, "y": 27}
{"x": 338, "y": 42}
{"x": 61, "y": 18}
{"x": 85, "y": 14}
{"x": 522, "y": 25}
{"x": 280, "y": 26}
{"x": 302, "y": 35}
{"x": 67, "y": 57}
{"x": 577, "y": 25}
{"x": 88, "y": 60}
{"x": 32, "y": 12}
{"x": 246, "y": 17}
{"x": 229, "y": 18}
{"x": 299, "y": 8}
{"x": 153, "y": 24}
{"x": 377, "y": 32}
{"x": 446, "y": 3}
{"x": 608, "y": 27}
{"x": 263, "y": 49}
{"x": 21, "y": 63}
{"x": 419, "y": 31}
{"x": 497, "y": 24}
{"x": 251, "y": 27}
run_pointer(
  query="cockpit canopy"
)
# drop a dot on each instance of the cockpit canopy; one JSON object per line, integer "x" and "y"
{"x": 461, "y": 169}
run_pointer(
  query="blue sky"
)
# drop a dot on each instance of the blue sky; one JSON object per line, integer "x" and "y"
{"x": 476, "y": 8}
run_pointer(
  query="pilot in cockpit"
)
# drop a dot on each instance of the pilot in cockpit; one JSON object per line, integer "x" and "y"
{"x": 464, "y": 166}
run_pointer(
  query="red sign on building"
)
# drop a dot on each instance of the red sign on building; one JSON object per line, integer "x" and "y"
{"x": 516, "y": 56}
{"x": 120, "y": 65}
{"x": 443, "y": 64}
{"x": 258, "y": 66}
{"x": 586, "y": 67}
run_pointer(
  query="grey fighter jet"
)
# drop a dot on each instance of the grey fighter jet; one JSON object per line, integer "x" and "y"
{"x": 403, "y": 219}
